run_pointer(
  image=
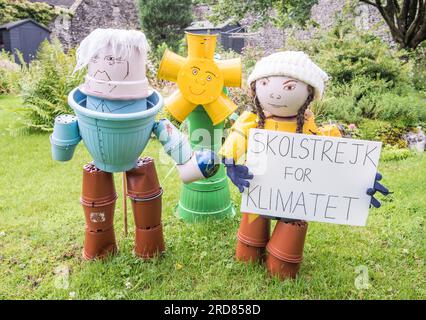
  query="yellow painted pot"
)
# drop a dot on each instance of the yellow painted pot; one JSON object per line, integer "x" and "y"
{"x": 170, "y": 65}
{"x": 201, "y": 45}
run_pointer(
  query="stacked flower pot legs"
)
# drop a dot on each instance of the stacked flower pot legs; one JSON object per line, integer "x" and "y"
{"x": 143, "y": 188}
{"x": 98, "y": 199}
{"x": 283, "y": 251}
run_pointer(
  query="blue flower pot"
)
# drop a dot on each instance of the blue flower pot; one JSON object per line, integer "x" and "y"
{"x": 62, "y": 153}
{"x": 65, "y": 137}
{"x": 115, "y": 141}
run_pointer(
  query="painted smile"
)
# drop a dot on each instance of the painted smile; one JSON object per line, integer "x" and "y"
{"x": 196, "y": 93}
{"x": 277, "y": 106}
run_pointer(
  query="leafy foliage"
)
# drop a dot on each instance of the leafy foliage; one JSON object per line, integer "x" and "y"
{"x": 164, "y": 21}
{"x": 368, "y": 78}
{"x": 9, "y": 74}
{"x": 289, "y": 11}
{"x": 393, "y": 153}
{"x": 45, "y": 86}
{"x": 11, "y": 10}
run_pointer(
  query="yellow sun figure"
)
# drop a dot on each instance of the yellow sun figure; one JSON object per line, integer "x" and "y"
{"x": 200, "y": 79}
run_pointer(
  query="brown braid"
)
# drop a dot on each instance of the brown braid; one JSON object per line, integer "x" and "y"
{"x": 258, "y": 108}
{"x": 301, "y": 112}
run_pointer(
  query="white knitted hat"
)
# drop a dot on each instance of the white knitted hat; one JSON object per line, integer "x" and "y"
{"x": 293, "y": 64}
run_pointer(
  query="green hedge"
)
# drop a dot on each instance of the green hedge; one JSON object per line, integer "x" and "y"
{"x": 12, "y": 10}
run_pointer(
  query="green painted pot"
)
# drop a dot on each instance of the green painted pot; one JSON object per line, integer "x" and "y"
{"x": 209, "y": 198}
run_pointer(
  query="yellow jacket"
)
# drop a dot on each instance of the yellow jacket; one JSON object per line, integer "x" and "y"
{"x": 235, "y": 145}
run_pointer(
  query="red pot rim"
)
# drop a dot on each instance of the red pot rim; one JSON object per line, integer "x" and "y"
{"x": 250, "y": 241}
{"x": 100, "y": 203}
{"x": 284, "y": 256}
{"x": 142, "y": 197}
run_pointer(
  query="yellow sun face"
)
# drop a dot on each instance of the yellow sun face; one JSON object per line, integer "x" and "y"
{"x": 200, "y": 81}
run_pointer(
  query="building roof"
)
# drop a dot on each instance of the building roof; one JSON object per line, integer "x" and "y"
{"x": 59, "y": 3}
{"x": 11, "y": 25}
{"x": 207, "y": 25}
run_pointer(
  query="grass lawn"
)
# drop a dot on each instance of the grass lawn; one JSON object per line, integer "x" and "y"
{"x": 42, "y": 229}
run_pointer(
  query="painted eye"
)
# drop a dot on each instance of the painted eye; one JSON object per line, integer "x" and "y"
{"x": 194, "y": 72}
{"x": 290, "y": 87}
{"x": 209, "y": 78}
{"x": 264, "y": 82}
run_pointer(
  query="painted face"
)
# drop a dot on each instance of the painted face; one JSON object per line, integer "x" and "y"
{"x": 200, "y": 81}
{"x": 106, "y": 67}
{"x": 281, "y": 96}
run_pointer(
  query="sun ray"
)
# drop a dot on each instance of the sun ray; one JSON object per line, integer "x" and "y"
{"x": 178, "y": 106}
{"x": 170, "y": 66}
{"x": 220, "y": 109}
{"x": 232, "y": 70}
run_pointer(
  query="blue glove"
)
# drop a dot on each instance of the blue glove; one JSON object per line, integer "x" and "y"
{"x": 377, "y": 187}
{"x": 239, "y": 174}
{"x": 208, "y": 162}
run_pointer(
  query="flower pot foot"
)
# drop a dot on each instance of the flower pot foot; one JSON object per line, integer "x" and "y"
{"x": 99, "y": 245}
{"x": 149, "y": 243}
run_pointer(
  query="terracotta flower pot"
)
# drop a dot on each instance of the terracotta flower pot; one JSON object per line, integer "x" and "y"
{"x": 147, "y": 212}
{"x": 288, "y": 240}
{"x": 98, "y": 245}
{"x": 98, "y": 186}
{"x": 142, "y": 181}
{"x": 99, "y": 217}
{"x": 248, "y": 253}
{"x": 254, "y": 233}
{"x": 281, "y": 269}
{"x": 149, "y": 242}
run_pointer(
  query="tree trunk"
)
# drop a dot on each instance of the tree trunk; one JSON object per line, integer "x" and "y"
{"x": 406, "y": 20}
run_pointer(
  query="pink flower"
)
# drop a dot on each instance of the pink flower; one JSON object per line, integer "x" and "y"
{"x": 352, "y": 126}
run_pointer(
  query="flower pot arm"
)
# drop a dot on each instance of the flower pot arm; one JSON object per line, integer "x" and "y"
{"x": 202, "y": 165}
{"x": 191, "y": 165}
{"x": 65, "y": 137}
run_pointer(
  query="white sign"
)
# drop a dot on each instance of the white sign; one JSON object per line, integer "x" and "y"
{"x": 310, "y": 177}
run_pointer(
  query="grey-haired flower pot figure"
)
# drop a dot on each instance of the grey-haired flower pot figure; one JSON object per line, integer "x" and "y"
{"x": 115, "y": 114}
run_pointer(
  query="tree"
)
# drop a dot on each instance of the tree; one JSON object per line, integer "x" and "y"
{"x": 164, "y": 21}
{"x": 406, "y": 20}
{"x": 289, "y": 11}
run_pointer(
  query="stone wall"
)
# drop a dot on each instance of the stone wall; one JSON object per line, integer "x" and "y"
{"x": 270, "y": 38}
{"x": 84, "y": 16}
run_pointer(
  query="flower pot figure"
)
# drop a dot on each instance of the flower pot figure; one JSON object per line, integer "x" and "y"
{"x": 202, "y": 101}
{"x": 115, "y": 117}
{"x": 283, "y": 86}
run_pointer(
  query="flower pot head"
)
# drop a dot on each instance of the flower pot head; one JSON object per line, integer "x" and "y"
{"x": 116, "y": 64}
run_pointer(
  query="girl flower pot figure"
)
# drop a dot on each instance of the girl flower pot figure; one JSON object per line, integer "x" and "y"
{"x": 283, "y": 86}
{"x": 115, "y": 117}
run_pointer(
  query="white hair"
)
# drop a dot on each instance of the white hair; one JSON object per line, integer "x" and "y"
{"x": 121, "y": 41}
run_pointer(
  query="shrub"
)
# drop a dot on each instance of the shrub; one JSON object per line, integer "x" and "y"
{"x": 11, "y": 10}
{"x": 390, "y": 134}
{"x": 45, "y": 87}
{"x": 10, "y": 74}
{"x": 164, "y": 21}
{"x": 390, "y": 153}
{"x": 369, "y": 80}
{"x": 419, "y": 73}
